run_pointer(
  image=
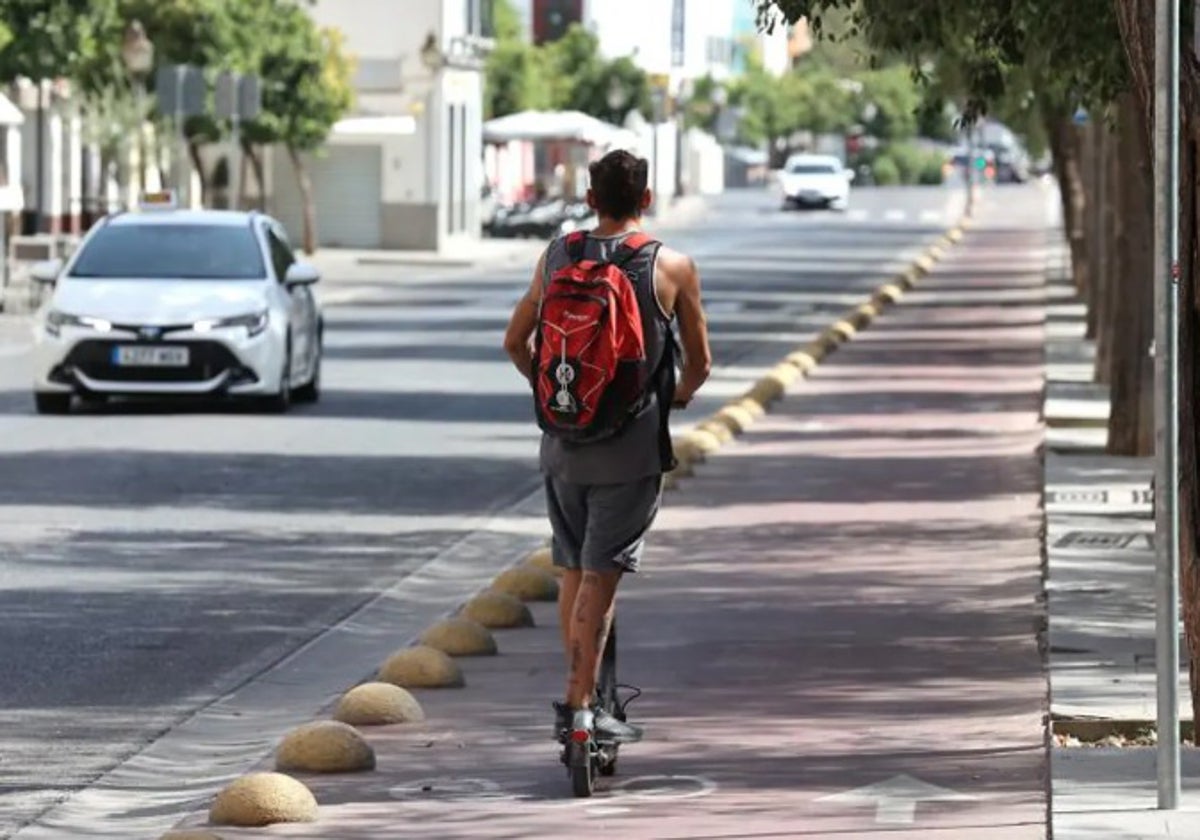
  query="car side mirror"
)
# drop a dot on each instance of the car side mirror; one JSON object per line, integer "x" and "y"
{"x": 850, "y": 174}
{"x": 301, "y": 274}
{"x": 46, "y": 272}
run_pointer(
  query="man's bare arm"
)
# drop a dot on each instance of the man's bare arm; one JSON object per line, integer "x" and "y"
{"x": 523, "y": 322}
{"x": 693, "y": 330}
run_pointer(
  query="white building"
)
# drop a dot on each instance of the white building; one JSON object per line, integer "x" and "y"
{"x": 686, "y": 39}
{"x": 404, "y": 170}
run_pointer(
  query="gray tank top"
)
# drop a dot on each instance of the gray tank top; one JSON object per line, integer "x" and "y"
{"x": 635, "y": 453}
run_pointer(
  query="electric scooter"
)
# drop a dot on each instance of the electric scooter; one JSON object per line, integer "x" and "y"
{"x": 585, "y": 755}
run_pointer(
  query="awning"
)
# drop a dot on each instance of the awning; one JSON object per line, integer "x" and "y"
{"x": 571, "y": 126}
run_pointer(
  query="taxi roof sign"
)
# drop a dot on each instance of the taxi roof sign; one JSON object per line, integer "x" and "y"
{"x": 158, "y": 200}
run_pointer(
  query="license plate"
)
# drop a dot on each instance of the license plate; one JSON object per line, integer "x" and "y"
{"x": 134, "y": 356}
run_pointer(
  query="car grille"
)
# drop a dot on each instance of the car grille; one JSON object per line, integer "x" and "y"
{"x": 208, "y": 359}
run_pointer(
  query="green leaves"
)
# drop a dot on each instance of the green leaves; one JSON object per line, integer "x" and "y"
{"x": 567, "y": 74}
{"x": 305, "y": 72}
{"x": 1067, "y": 50}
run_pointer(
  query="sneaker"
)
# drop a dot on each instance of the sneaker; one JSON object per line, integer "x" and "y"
{"x": 609, "y": 728}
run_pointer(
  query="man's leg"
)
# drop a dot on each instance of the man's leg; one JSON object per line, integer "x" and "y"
{"x": 590, "y": 619}
{"x": 568, "y": 588}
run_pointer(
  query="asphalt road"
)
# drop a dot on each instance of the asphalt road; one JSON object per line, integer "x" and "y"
{"x": 153, "y": 557}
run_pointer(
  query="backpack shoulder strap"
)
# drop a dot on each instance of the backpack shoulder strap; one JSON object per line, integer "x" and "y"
{"x": 576, "y": 243}
{"x": 631, "y": 246}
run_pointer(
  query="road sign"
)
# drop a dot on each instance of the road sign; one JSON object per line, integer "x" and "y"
{"x": 1080, "y": 116}
{"x": 181, "y": 90}
{"x": 237, "y": 95}
{"x": 250, "y": 97}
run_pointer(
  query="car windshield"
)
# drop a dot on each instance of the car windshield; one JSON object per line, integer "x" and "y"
{"x": 183, "y": 252}
{"x": 812, "y": 169}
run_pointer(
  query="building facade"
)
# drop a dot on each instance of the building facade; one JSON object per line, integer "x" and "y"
{"x": 405, "y": 170}
{"x": 684, "y": 39}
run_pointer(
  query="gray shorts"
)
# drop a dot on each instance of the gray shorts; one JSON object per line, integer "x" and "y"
{"x": 601, "y": 527}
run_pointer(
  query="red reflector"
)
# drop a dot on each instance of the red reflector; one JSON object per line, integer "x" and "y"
{"x": 579, "y": 736}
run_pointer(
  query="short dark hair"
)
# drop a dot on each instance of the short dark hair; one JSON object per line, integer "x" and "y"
{"x": 618, "y": 182}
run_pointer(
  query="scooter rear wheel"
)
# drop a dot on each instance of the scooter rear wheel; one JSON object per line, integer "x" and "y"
{"x": 579, "y": 765}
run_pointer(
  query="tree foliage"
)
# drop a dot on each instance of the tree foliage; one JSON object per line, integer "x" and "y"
{"x": 567, "y": 74}
{"x": 1074, "y": 48}
{"x": 47, "y": 39}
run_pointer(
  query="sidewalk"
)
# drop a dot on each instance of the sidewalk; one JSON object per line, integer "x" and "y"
{"x": 836, "y": 627}
{"x": 337, "y": 262}
{"x": 1100, "y": 597}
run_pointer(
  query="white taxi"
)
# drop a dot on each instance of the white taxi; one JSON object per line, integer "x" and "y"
{"x": 166, "y": 301}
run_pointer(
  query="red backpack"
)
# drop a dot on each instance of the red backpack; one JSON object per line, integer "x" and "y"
{"x": 589, "y": 350}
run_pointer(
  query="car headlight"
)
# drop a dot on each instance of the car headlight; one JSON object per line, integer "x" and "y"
{"x": 255, "y": 323}
{"x": 56, "y": 320}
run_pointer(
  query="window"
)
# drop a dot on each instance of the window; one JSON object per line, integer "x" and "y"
{"x": 155, "y": 251}
{"x": 451, "y": 166}
{"x": 812, "y": 169}
{"x": 462, "y": 167}
{"x": 281, "y": 255}
{"x": 480, "y": 18}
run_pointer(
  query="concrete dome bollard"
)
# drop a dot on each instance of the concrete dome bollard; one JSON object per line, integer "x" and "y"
{"x": 527, "y": 584}
{"x": 497, "y": 610}
{"x": 766, "y": 391}
{"x": 721, "y": 431}
{"x": 735, "y": 418}
{"x": 460, "y": 637}
{"x": 261, "y": 799}
{"x": 325, "y": 746}
{"x": 750, "y": 407}
{"x": 802, "y": 360}
{"x": 378, "y": 704}
{"x": 543, "y": 559}
{"x": 703, "y": 441}
{"x": 421, "y": 667}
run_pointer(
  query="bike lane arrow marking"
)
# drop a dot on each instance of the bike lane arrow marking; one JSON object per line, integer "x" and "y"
{"x": 896, "y": 799}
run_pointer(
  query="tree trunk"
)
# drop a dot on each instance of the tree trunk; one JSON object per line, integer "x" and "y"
{"x": 1189, "y": 377}
{"x": 1108, "y": 301}
{"x": 1066, "y": 146}
{"x": 198, "y": 165}
{"x": 1130, "y": 430}
{"x": 1136, "y": 19}
{"x": 256, "y": 164}
{"x": 1095, "y": 233}
{"x": 303, "y": 180}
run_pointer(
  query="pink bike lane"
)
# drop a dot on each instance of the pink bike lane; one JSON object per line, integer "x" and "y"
{"x": 836, "y": 628}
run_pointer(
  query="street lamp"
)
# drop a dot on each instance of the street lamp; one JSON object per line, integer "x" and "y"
{"x": 137, "y": 51}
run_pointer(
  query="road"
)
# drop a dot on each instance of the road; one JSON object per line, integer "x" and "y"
{"x": 155, "y": 557}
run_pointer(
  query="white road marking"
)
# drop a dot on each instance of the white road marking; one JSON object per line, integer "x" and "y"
{"x": 660, "y": 788}
{"x": 896, "y": 799}
{"x": 932, "y": 215}
{"x": 856, "y": 215}
{"x": 895, "y": 215}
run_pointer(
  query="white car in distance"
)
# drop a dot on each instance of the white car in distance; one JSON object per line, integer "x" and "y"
{"x": 169, "y": 302}
{"x": 820, "y": 181}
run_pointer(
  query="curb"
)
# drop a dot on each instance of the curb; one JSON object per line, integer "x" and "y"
{"x": 739, "y": 413}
